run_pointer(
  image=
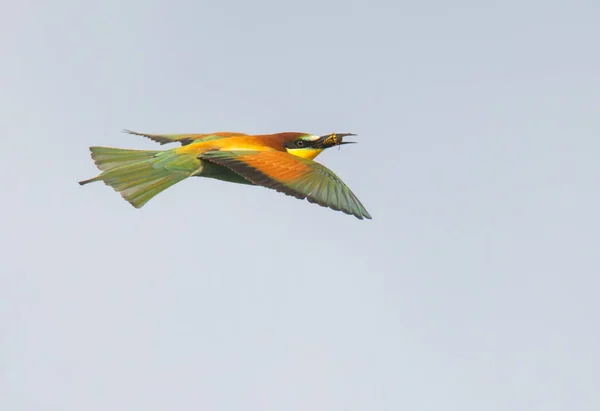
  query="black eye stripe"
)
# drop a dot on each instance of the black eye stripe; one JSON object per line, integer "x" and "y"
{"x": 298, "y": 143}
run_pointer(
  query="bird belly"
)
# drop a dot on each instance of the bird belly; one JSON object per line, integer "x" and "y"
{"x": 211, "y": 170}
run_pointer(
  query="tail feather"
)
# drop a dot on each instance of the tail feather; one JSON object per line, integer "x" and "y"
{"x": 139, "y": 175}
{"x": 107, "y": 158}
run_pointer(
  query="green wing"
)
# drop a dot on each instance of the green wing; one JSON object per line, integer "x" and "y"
{"x": 185, "y": 139}
{"x": 292, "y": 175}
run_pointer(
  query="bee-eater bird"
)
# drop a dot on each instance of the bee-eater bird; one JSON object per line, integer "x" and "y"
{"x": 282, "y": 161}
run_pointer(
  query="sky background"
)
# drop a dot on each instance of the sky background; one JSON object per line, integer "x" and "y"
{"x": 474, "y": 287}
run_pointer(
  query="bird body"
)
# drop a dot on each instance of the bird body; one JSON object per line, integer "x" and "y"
{"x": 282, "y": 161}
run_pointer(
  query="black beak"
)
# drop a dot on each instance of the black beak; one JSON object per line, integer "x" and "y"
{"x": 331, "y": 140}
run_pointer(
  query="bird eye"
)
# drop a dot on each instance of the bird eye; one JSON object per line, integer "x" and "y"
{"x": 300, "y": 143}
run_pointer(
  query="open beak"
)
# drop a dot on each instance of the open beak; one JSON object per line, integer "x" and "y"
{"x": 330, "y": 140}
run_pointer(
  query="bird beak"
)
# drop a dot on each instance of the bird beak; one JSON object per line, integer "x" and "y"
{"x": 331, "y": 140}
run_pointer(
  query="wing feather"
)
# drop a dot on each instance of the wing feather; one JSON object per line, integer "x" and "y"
{"x": 184, "y": 139}
{"x": 291, "y": 175}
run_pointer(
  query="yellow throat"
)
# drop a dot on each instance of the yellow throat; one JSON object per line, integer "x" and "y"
{"x": 308, "y": 153}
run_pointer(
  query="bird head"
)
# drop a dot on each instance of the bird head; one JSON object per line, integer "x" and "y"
{"x": 309, "y": 146}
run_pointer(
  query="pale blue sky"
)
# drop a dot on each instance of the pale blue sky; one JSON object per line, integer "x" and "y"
{"x": 474, "y": 287}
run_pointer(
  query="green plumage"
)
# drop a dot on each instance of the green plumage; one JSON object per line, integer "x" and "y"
{"x": 139, "y": 175}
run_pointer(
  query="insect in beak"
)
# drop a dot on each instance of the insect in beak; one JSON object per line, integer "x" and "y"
{"x": 334, "y": 139}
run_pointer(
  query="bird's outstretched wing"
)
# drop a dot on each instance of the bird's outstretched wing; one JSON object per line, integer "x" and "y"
{"x": 185, "y": 139}
{"x": 292, "y": 175}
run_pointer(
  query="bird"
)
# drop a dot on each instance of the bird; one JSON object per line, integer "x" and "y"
{"x": 280, "y": 161}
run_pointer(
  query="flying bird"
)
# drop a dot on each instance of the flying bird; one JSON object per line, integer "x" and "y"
{"x": 282, "y": 161}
